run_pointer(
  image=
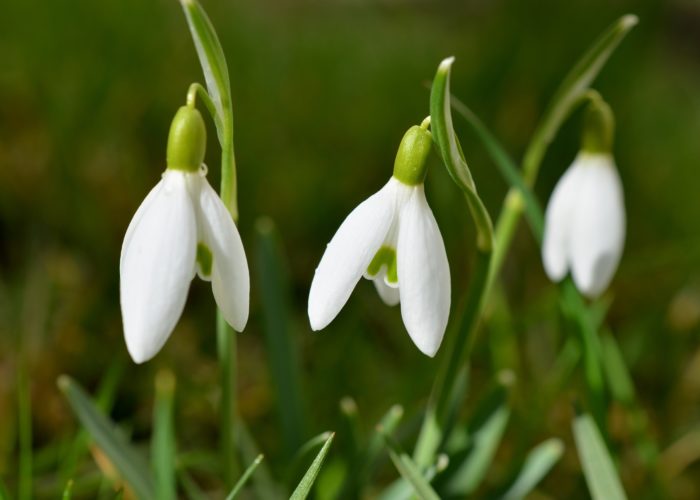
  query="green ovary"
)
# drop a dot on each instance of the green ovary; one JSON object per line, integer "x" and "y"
{"x": 205, "y": 259}
{"x": 385, "y": 256}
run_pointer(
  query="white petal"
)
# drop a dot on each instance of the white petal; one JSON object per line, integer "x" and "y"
{"x": 389, "y": 294}
{"x": 424, "y": 274}
{"x": 156, "y": 268}
{"x": 349, "y": 253}
{"x": 559, "y": 217}
{"x": 598, "y": 228}
{"x": 230, "y": 278}
{"x": 137, "y": 217}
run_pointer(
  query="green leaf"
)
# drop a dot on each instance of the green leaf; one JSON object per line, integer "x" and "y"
{"x": 281, "y": 350}
{"x": 482, "y": 447}
{"x": 619, "y": 380}
{"x": 451, "y": 152}
{"x": 537, "y": 465}
{"x": 67, "y": 490}
{"x": 401, "y": 489}
{"x": 571, "y": 90}
{"x": 307, "y": 482}
{"x": 131, "y": 466}
{"x": 104, "y": 400}
{"x": 263, "y": 484}
{"x": 508, "y": 168}
{"x": 163, "y": 440}
{"x": 598, "y": 467}
{"x": 211, "y": 56}
{"x": 244, "y": 478}
{"x": 409, "y": 470}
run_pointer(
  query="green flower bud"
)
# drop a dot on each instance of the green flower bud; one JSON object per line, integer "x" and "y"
{"x": 187, "y": 140}
{"x": 598, "y": 127}
{"x": 410, "y": 163}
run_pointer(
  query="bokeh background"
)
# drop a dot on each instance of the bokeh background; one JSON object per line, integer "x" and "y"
{"x": 323, "y": 92}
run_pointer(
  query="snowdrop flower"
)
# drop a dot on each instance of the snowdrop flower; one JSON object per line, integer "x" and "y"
{"x": 182, "y": 228}
{"x": 585, "y": 218}
{"x": 392, "y": 239}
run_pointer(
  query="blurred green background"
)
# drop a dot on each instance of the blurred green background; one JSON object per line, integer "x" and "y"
{"x": 323, "y": 92}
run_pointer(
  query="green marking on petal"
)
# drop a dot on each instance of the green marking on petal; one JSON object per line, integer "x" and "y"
{"x": 385, "y": 256}
{"x": 205, "y": 259}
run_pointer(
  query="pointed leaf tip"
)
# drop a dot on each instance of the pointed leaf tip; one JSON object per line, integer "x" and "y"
{"x": 629, "y": 20}
{"x": 446, "y": 63}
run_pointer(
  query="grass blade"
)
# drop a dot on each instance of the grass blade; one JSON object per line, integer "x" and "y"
{"x": 490, "y": 424}
{"x": 508, "y": 168}
{"x": 537, "y": 465}
{"x": 284, "y": 365}
{"x": 211, "y": 56}
{"x": 24, "y": 416}
{"x": 67, "y": 490}
{"x": 244, "y": 478}
{"x": 307, "y": 482}
{"x": 571, "y": 90}
{"x": 131, "y": 466}
{"x": 263, "y": 484}
{"x": 163, "y": 441}
{"x": 598, "y": 467}
{"x": 408, "y": 469}
{"x": 104, "y": 400}
{"x": 617, "y": 375}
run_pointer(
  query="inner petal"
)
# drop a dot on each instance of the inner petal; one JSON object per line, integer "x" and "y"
{"x": 384, "y": 263}
{"x": 205, "y": 260}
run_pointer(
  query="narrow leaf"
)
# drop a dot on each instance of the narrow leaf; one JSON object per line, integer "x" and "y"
{"x": 409, "y": 470}
{"x": 484, "y": 443}
{"x": 163, "y": 441}
{"x": 211, "y": 55}
{"x": 263, "y": 484}
{"x": 67, "y": 490}
{"x": 598, "y": 467}
{"x": 451, "y": 152}
{"x": 537, "y": 465}
{"x": 619, "y": 380}
{"x": 244, "y": 478}
{"x": 509, "y": 170}
{"x": 131, "y": 466}
{"x": 307, "y": 482}
{"x": 572, "y": 88}
{"x": 281, "y": 350}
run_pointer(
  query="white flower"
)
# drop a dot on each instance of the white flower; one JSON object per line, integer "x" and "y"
{"x": 391, "y": 238}
{"x": 585, "y": 224}
{"x": 182, "y": 228}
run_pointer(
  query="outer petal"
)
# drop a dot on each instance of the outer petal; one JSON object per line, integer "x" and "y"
{"x": 598, "y": 228}
{"x": 230, "y": 278}
{"x": 424, "y": 274}
{"x": 156, "y": 268}
{"x": 388, "y": 294}
{"x": 559, "y": 217}
{"x": 349, "y": 253}
{"x": 143, "y": 208}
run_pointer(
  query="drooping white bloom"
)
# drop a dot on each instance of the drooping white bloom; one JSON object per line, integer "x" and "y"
{"x": 182, "y": 228}
{"x": 585, "y": 224}
{"x": 393, "y": 239}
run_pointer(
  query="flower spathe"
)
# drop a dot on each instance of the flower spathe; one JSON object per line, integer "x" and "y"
{"x": 585, "y": 224}
{"x": 182, "y": 228}
{"x": 393, "y": 239}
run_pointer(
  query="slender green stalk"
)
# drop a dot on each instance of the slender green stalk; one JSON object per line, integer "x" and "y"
{"x": 163, "y": 441}
{"x": 24, "y": 414}
{"x": 218, "y": 103}
{"x": 460, "y": 345}
{"x": 226, "y": 347}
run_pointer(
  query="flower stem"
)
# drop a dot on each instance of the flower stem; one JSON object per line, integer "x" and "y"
{"x": 226, "y": 337}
